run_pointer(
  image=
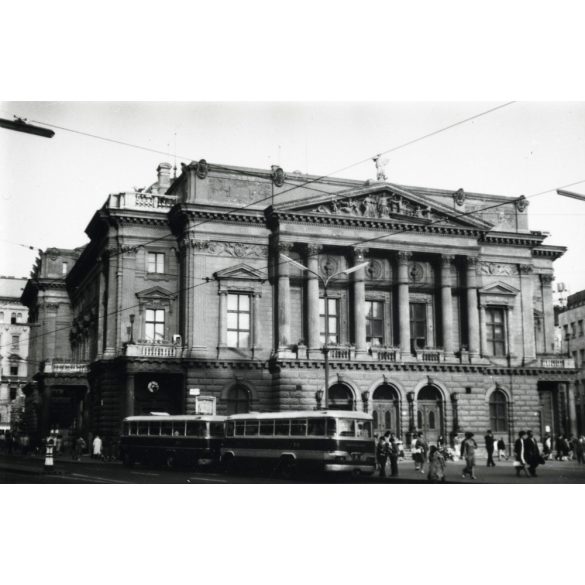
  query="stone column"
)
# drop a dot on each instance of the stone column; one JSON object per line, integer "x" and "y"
{"x": 222, "y": 337}
{"x": 403, "y": 302}
{"x": 528, "y": 339}
{"x": 257, "y": 321}
{"x": 312, "y": 259}
{"x": 547, "y": 312}
{"x": 359, "y": 299}
{"x": 447, "y": 304}
{"x": 472, "y": 310}
{"x": 129, "y": 394}
{"x": 572, "y": 408}
{"x": 411, "y": 417}
{"x": 483, "y": 330}
{"x": 283, "y": 296}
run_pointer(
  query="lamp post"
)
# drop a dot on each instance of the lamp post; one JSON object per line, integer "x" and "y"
{"x": 325, "y": 282}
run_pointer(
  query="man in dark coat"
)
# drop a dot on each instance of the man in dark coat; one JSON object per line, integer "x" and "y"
{"x": 531, "y": 453}
{"x": 519, "y": 453}
{"x": 489, "y": 447}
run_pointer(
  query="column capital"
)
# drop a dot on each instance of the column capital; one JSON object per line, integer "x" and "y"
{"x": 314, "y": 249}
{"x": 285, "y": 246}
{"x": 404, "y": 256}
{"x": 358, "y": 254}
{"x": 547, "y": 279}
{"x": 525, "y": 269}
{"x": 472, "y": 262}
{"x": 447, "y": 259}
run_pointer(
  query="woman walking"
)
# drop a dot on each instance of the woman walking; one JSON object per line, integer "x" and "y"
{"x": 436, "y": 465}
{"x": 468, "y": 448}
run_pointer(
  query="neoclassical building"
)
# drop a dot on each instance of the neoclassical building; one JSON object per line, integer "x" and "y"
{"x": 233, "y": 288}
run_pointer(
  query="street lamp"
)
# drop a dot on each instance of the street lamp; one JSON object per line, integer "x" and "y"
{"x": 325, "y": 282}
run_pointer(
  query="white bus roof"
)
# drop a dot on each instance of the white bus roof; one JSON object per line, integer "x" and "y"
{"x": 351, "y": 414}
{"x": 175, "y": 417}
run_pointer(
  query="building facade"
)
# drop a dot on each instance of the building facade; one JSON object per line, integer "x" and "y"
{"x": 14, "y": 365}
{"x": 571, "y": 324}
{"x": 234, "y": 288}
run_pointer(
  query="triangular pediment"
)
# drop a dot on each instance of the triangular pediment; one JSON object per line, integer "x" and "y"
{"x": 240, "y": 272}
{"x": 155, "y": 292}
{"x": 382, "y": 202}
{"x": 499, "y": 288}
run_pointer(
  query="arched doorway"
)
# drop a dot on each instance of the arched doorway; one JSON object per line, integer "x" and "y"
{"x": 340, "y": 397}
{"x": 386, "y": 409}
{"x": 238, "y": 400}
{"x": 429, "y": 416}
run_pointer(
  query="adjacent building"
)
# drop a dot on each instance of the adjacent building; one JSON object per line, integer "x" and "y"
{"x": 14, "y": 358}
{"x": 571, "y": 324}
{"x": 237, "y": 289}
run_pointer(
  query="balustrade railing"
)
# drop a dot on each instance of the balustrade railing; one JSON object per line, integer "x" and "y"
{"x": 157, "y": 350}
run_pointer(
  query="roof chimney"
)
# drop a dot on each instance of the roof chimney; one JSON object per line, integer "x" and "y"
{"x": 164, "y": 176}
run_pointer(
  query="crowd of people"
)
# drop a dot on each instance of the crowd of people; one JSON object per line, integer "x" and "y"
{"x": 432, "y": 459}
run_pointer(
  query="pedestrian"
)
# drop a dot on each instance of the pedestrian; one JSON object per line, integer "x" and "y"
{"x": 501, "y": 449}
{"x": 579, "y": 449}
{"x": 96, "y": 447}
{"x": 78, "y": 448}
{"x": 382, "y": 455}
{"x": 436, "y": 465}
{"x": 547, "y": 446}
{"x": 420, "y": 453}
{"x": 393, "y": 455}
{"x": 489, "y": 447}
{"x": 468, "y": 447}
{"x": 532, "y": 454}
{"x": 519, "y": 459}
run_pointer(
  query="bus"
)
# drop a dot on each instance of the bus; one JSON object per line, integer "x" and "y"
{"x": 171, "y": 440}
{"x": 287, "y": 442}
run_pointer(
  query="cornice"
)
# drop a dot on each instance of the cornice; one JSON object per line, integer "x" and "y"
{"x": 528, "y": 240}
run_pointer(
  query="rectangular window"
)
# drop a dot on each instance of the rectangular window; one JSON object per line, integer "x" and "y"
{"x": 418, "y": 324}
{"x": 580, "y": 325}
{"x": 374, "y": 323}
{"x": 64, "y": 268}
{"x": 154, "y": 329}
{"x": 573, "y": 330}
{"x": 196, "y": 429}
{"x": 495, "y": 331}
{"x": 267, "y": 427}
{"x": 329, "y": 319}
{"x": 582, "y": 352}
{"x": 14, "y": 370}
{"x": 252, "y": 427}
{"x": 238, "y": 320}
{"x": 156, "y": 262}
{"x": 13, "y": 392}
{"x": 281, "y": 427}
{"x": 15, "y": 342}
{"x": 316, "y": 427}
{"x": 13, "y": 318}
{"x": 298, "y": 427}
{"x": 178, "y": 428}
{"x": 216, "y": 429}
{"x": 240, "y": 426}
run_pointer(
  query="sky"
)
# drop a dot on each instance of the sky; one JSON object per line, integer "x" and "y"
{"x": 50, "y": 188}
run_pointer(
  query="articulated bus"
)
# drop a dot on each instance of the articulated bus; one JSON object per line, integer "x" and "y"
{"x": 171, "y": 440}
{"x": 327, "y": 440}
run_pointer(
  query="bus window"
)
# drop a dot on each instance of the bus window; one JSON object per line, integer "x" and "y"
{"x": 179, "y": 428}
{"x": 364, "y": 429}
{"x": 316, "y": 427}
{"x": 240, "y": 424}
{"x": 298, "y": 427}
{"x": 267, "y": 427}
{"x": 143, "y": 428}
{"x": 251, "y": 427}
{"x": 346, "y": 427}
{"x": 229, "y": 429}
{"x": 133, "y": 428}
{"x": 216, "y": 429}
{"x": 196, "y": 429}
{"x": 154, "y": 428}
{"x": 166, "y": 428}
{"x": 281, "y": 428}
{"x": 331, "y": 427}
{"x": 126, "y": 428}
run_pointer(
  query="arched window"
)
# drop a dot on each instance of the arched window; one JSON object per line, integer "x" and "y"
{"x": 340, "y": 397}
{"x": 238, "y": 400}
{"x": 498, "y": 411}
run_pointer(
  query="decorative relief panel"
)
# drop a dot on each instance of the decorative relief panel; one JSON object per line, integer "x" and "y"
{"x": 497, "y": 269}
{"x": 375, "y": 270}
{"x": 238, "y": 249}
{"x": 381, "y": 206}
{"x": 328, "y": 265}
{"x": 240, "y": 191}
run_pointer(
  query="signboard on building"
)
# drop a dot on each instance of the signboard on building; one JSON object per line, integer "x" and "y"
{"x": 205, "y": 405}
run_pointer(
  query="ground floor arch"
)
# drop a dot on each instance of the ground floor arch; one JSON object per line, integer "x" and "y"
{"x": 386, "y": 409}
{"x": 340, "y": 397}
{"x": 430, "y": 413}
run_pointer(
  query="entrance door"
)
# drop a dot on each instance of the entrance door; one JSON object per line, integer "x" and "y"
{"x": 385, "y": 410}
{"x": 430, "y": 413}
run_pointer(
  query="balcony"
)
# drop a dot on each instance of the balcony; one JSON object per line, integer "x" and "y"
{"x": 147, "y": 349}
{"x": 142, "y": 201}
{"x": 430, "y": 356}
{"x": 385, "y": 354}
{"x": 58, "y": 366}
{"x": 555, "y": 361}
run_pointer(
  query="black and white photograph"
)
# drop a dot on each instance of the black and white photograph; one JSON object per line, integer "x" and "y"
{"x": 293, "y": 275}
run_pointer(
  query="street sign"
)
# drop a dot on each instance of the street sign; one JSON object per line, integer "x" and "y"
{"x": 194, "y": 391}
